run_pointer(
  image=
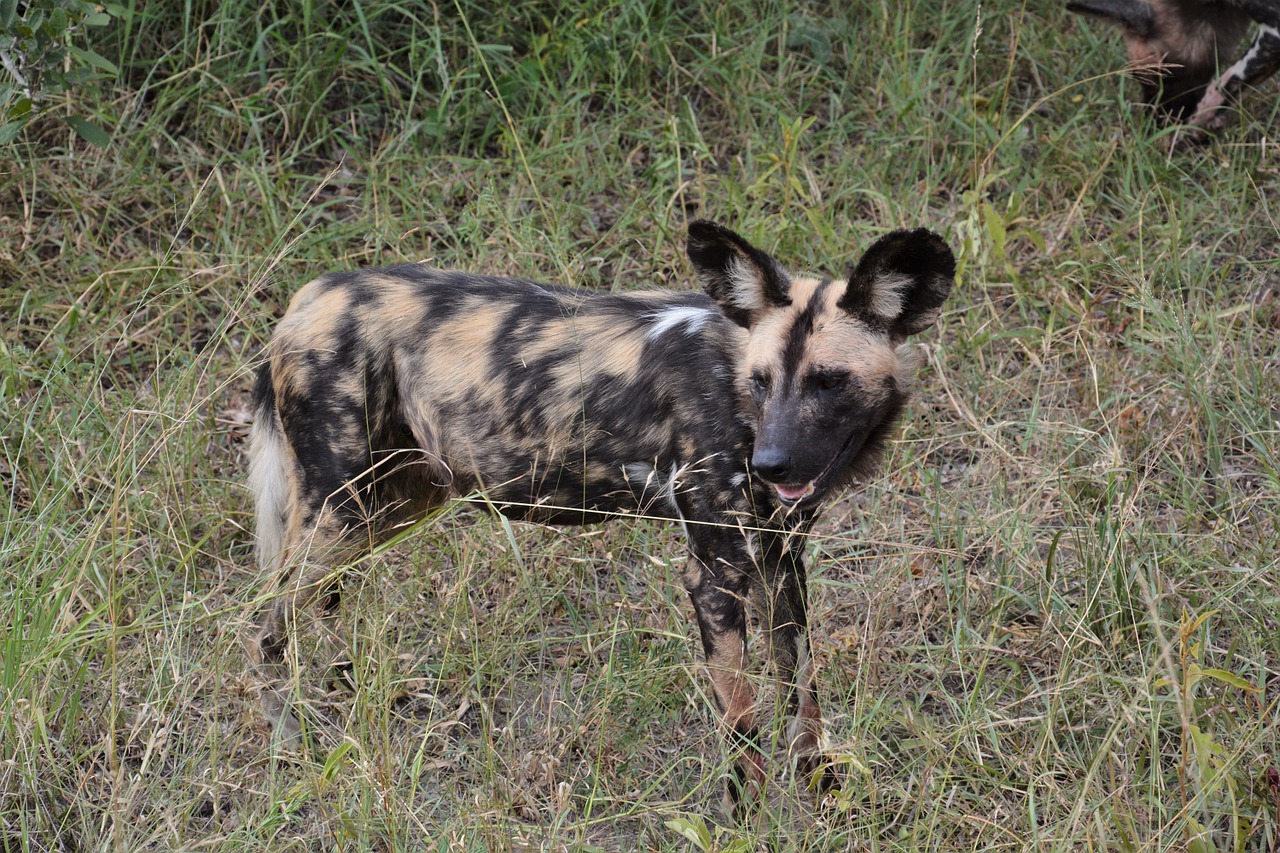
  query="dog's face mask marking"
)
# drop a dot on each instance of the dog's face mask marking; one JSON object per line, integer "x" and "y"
{"x": 823, "y": 376}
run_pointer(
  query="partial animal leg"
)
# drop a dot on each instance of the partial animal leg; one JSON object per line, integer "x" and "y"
{"x": 719, "y": 595}
{"x": 785, "y": 603}
{"x": 1260, "y": 62}
{"x": 311, "y": 467}
{"x": 311, "y": 562}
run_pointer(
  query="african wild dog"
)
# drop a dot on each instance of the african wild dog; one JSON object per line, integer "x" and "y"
{"x": 1176, "y": 48}
{"x": 386, "y": 392}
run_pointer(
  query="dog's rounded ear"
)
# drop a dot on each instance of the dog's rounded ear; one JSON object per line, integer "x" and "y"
{"x": 1136, "y": 18}
{"x": 901, "y": 282}
{"x": 742, "y": 278}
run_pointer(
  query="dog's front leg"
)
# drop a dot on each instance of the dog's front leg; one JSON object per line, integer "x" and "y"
{"x": 719, "y": 593}
{"x": 789, "y": 648}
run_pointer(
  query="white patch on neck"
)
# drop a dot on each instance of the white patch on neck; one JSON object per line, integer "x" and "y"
{"x": 666, "y": 319}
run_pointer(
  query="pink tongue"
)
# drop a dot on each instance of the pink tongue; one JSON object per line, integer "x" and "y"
{"x": 792, "y": 493}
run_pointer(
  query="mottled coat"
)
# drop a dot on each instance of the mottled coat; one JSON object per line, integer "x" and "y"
{"x": 387, "y": 392}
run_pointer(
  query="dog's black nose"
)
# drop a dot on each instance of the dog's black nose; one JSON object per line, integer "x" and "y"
{"x": 772, "y": 463}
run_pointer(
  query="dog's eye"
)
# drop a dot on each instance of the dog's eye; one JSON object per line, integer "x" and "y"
{"x": 831, "y": 381}
{"x": 759, "y": 381}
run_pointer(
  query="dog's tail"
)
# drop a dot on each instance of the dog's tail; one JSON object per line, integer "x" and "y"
{"x": 268, "y": 457}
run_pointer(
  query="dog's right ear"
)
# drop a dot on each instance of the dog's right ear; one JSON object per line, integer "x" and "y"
{"x": 1135, "y": 17}
{"x": 901, "y": 282}
{"x": 742, "y": 278}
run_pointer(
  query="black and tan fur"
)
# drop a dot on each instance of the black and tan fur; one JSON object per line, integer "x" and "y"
{"x": 1181, "y": 51}
{"x": 387, "y": 392}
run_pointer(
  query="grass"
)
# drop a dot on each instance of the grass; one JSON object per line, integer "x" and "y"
{"x": 1050, "y": 624}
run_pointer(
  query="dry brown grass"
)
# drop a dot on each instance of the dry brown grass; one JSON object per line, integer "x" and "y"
{"x": 1052, "y": 624}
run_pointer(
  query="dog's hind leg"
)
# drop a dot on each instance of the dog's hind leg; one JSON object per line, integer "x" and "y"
{"x": 310, "y": 573}
{"x": 312, "y": 513}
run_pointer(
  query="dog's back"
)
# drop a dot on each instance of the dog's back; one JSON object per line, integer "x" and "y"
{"x": 418, "y": 385}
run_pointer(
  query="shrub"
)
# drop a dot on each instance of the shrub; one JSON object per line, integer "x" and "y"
{"x": 42, "y": 62}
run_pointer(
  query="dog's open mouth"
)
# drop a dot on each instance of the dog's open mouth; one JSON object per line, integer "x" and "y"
{"x": 793, "y": 494}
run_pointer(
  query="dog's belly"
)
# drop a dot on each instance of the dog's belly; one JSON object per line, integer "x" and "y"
{"x": 555, "y": 491}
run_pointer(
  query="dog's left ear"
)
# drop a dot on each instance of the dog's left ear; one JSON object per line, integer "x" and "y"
{"x": 743, "y": 279}
{"x": 901, "y": 282}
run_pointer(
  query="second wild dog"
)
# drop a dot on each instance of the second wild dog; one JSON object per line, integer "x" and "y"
{"x": 1180, "y": 52}
{"x": 737, "y": 412}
